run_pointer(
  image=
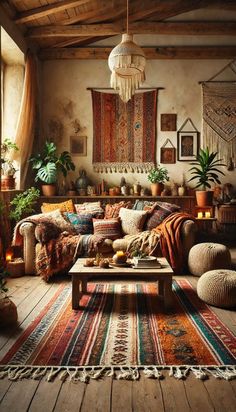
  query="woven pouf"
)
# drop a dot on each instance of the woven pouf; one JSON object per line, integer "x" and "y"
{"x": 208, "y": 256}
{"x": 218, "y": 288}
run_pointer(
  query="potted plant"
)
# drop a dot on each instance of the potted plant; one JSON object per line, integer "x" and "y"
{"x": 157, "y": 176}
{"x": 8, "y": 166}
{"x": 205, "y": 171}
{"x": 23, "y": 204}
{"x": 48, "y": 165}
{"x": 8, "y": 310}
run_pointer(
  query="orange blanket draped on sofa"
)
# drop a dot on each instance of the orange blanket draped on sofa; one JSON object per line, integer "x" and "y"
{"x": 170, "y": 239}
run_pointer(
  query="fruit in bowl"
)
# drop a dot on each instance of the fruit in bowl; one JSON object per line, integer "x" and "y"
{"x": 119, "y": 257}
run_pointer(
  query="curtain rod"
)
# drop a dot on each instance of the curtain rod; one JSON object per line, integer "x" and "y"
{"x": 217, "y": 81}
{"x": 110, "y": 88}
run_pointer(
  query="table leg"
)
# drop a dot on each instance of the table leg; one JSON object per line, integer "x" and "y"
{"x": 168, "y": 293}
{"x": 84, "y": 286}
{"x": 76, "y": 293}
{"x": 161, "y": 287}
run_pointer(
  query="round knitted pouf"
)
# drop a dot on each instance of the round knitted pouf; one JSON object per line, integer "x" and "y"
{"x": 218, "y": 288}
{"x": 208, "y": 256}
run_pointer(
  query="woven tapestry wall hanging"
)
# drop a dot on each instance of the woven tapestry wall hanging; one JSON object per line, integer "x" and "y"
{"x": 219, "y": 119}
{"x": 124, "y": 135}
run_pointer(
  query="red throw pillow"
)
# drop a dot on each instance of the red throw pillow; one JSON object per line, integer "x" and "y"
{"x": 112, "y": 210}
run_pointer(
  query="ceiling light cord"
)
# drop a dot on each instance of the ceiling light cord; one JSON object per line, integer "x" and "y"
{"x": 127, "y": 16}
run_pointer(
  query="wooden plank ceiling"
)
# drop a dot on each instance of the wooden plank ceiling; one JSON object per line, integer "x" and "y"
{"x": 67, "y": 28}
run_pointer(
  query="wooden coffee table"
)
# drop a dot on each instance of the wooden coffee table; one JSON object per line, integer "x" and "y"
{"x": 81, "y": 275}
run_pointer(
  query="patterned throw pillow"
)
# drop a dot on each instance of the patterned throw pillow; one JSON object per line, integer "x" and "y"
{"x": 112, "y": 210}
{"x": 66, "y": 206}
{"x": 107, "y": 228}
{"x": 170, "y": 207}
{"x": 132, "y": 221}
{"x": 144, "y": 205}
{"x": 161, "y": 211}
{"x": 94, "y": 208}
{"x": 58, "y": 220}
{"x": 83, "y": 223}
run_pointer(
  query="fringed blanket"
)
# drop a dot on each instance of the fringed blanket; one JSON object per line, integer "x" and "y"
{"x": 147, "y": 242}
{"x": 59, "y": 245}
{"x": 170, "y": 239}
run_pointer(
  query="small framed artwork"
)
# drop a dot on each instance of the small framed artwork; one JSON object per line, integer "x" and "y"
{"x": 168, "y": 155}
{"x": 168, "y": 122}
{"x": 78, "y": 145}
{"x": 187, "y": 145}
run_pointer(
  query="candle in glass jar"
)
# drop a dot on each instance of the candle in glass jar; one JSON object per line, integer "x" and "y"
{"x": 200, "y": 215}
{"x": 207, "y": 215}
{"x": 120, "y": 253}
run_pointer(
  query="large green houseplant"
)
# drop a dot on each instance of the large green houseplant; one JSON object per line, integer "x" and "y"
{"x": 205, "y": 171}
{"x": 49, "y": 164}
{"x": 23, "y": 204}
{"x": 157, "y": 176}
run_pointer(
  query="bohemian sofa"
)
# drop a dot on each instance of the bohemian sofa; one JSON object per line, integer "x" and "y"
{"x": 53, "y": 239}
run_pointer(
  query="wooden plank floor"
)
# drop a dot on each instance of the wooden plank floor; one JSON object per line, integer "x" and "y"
{"x": 31, "y": 294}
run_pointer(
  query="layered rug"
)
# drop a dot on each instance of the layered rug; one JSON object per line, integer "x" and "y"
{"x": 121, "y": 330}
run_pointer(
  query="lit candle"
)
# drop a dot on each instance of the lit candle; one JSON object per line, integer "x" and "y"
{"x": 9, "y": 255}
{"x": 207, "y": 215}
{"x": 200, "y": 215}
{"x": 120, "y": 253}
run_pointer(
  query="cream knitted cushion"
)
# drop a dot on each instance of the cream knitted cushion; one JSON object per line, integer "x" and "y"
{"x": 208, "y": 256}
{"x": 218, "y": 288}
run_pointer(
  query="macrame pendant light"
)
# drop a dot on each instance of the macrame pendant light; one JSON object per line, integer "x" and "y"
{"x": 127, "y": 63}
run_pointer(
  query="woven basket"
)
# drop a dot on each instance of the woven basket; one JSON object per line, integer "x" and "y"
{"x": 227, "y": 214}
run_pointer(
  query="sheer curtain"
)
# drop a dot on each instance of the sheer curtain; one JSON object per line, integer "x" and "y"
{"x": 25, "y": 129}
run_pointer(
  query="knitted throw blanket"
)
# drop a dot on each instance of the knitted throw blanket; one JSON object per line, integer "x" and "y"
{"x": 170, "y": 239}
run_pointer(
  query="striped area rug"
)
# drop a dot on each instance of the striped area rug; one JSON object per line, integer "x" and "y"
{"x": 123, "y": 328}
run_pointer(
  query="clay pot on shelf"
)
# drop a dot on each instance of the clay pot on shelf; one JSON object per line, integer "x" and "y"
{"x": 8, "y": 183}
{"x": 49, "y": 190}
{"x": 157, "y": 188}
{"x": 204, "y": 197}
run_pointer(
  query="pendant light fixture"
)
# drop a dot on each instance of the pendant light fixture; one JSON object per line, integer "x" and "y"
{"x": 127, "y": 63}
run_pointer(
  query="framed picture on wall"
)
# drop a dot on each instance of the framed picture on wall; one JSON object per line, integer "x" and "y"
{"x": 187, "y": 145}
{"x": 78, "y": 145}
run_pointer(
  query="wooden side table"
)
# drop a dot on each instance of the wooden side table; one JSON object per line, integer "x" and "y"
{"x": 206, "y": 224}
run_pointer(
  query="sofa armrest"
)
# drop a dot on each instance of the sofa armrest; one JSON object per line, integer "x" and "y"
{"x": 188, "y": 236}
{"x": 27, "y": 230}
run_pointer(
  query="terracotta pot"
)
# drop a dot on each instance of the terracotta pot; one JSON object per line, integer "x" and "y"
{"x": 157, "y": 188}
{"x": 49, "y": 190}
{"x": 204, "y": 197}
{"x": 8, "y": 182}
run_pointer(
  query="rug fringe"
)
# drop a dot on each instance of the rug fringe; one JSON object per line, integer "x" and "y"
{"x": 85, "y": 373}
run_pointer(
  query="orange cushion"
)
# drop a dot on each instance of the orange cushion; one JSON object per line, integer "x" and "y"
{"x": 67, "y": 206}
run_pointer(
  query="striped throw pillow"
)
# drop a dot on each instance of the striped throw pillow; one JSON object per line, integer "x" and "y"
{"x": 107, "y": 228}
{"x": 94, "y": 208}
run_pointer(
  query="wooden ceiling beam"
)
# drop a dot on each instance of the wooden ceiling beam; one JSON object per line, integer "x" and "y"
{"x": 167, "y": 28}
{"x": 155, "y": 53}
{"x": 43, "y": 11}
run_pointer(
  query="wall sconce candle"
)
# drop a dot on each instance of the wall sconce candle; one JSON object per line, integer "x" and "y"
{"x": 207, "y": 215}
{"x": 199, "y": 215}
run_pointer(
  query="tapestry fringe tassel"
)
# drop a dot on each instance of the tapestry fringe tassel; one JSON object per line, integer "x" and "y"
{"x": 122, "y": 167}
{"x": 85, "y": 373}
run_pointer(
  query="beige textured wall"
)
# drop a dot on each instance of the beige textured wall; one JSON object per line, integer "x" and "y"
{"x": 65, "y": 99}
{"x": 12, "y": 92}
